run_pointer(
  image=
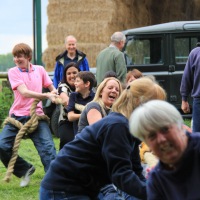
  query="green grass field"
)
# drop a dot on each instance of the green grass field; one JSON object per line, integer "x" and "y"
{"x": 12, "y": 190}
{"x": 187, "y": 122}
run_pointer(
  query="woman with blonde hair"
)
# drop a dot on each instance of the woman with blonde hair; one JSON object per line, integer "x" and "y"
{"x": 103, "y": 153}
{"x": 143, "y": 91}
{"x": 138, "y": 92}
{"x": 107, "y": 93}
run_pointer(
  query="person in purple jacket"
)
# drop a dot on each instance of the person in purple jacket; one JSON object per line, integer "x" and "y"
{"x": 176, "y": 176}
{"x": 71, "y": 54}
{"x": 190, "y": 85}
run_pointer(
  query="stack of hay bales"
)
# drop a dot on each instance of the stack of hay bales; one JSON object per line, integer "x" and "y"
{"x": 92, "y": 22}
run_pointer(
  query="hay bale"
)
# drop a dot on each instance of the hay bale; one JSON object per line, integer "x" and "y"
{"x": 92, "y": 22}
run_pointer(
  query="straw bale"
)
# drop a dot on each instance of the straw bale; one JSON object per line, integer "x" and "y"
{"x": 49, "y": 56}
{"x": 87, "y": 32}
{"x": 197, "y": 9}
{"x": 92, "y": 50}
{"x": 92, "y": 22}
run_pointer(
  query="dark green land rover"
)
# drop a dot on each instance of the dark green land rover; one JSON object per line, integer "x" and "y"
{"x": 162, "y": 50}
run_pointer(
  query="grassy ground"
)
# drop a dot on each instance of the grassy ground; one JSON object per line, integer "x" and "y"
{"x": 12, "y": 190}
{"x": 187, "y": 122}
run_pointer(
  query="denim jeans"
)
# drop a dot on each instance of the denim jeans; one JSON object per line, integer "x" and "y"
{"x": 196, "y": 115}
{"x": 41, "y": 138}
{"x": 59, "y": 195}
{"x": 110, "y": 192}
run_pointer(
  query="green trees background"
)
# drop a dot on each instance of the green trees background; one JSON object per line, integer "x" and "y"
{"x": 6, "y": 100}
{"x": 6, "y": 96}
{"x": 6, "y": 62}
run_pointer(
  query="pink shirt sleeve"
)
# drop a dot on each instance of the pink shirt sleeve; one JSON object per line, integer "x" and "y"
{"x": 15, "y": 79}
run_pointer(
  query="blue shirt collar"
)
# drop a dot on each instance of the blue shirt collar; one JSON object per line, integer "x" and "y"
{"x": 26, "y": 70}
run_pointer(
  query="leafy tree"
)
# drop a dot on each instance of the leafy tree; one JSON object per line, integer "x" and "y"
{"x": 6, "y": 100}
{"x": 6, "y": 62}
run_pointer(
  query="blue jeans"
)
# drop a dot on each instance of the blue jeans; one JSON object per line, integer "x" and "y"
{"x": 196, "y": 115}
{"x": 110, "y": 192}
{"x": 42, "y": 139}
{"x": 60, "y": 195}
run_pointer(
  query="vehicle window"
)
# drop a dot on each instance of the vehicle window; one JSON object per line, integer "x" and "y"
{"x": 140, "y": 51}
{"x": 183, "y": 46}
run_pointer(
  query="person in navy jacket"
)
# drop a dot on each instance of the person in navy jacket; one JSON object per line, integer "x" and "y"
{"x": 190, "y": 86}
{"x": 176, "y": 176}
{"x": 71, "y": 54}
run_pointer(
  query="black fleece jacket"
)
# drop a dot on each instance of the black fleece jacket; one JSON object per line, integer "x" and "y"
{"x": 102, "y": 153}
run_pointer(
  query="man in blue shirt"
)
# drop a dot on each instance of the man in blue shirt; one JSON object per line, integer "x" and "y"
{"x": 71, "y": 54}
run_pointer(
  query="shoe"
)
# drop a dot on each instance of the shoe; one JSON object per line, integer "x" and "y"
{"x": 26, "y": 178}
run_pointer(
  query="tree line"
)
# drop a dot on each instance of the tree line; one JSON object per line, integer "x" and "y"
{"x": 6, "y": 62}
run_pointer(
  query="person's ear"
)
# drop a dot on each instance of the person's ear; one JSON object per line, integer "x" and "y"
{"x": 87, "y": 84}
{"x": 29, "y": 58}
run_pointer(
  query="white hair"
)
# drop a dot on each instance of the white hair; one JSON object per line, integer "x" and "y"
{"x": 69, "y": 37}
{"x": 152, "y": 116}
{"x": 118, "y": 37}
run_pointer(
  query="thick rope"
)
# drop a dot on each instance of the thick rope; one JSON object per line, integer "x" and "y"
{"x": 25, "y": 129}
{"x": 79, "y": 107}
{"x": 147, "y": 156}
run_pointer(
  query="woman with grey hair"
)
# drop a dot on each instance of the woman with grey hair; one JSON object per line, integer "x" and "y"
{"x": 176, "y": 176}
{"x": 146, "y": 119}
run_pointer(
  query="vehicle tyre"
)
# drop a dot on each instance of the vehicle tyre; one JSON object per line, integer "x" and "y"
{"x": 54, "y": 121}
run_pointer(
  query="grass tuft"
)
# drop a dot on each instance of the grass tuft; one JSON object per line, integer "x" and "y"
{"x": 12, "y": 190}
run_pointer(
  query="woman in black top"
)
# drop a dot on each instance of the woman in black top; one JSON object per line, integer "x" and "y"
{"x": 65, "y": 88}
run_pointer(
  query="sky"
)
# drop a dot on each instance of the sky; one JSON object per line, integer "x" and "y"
{"x": 16, "y": 24}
